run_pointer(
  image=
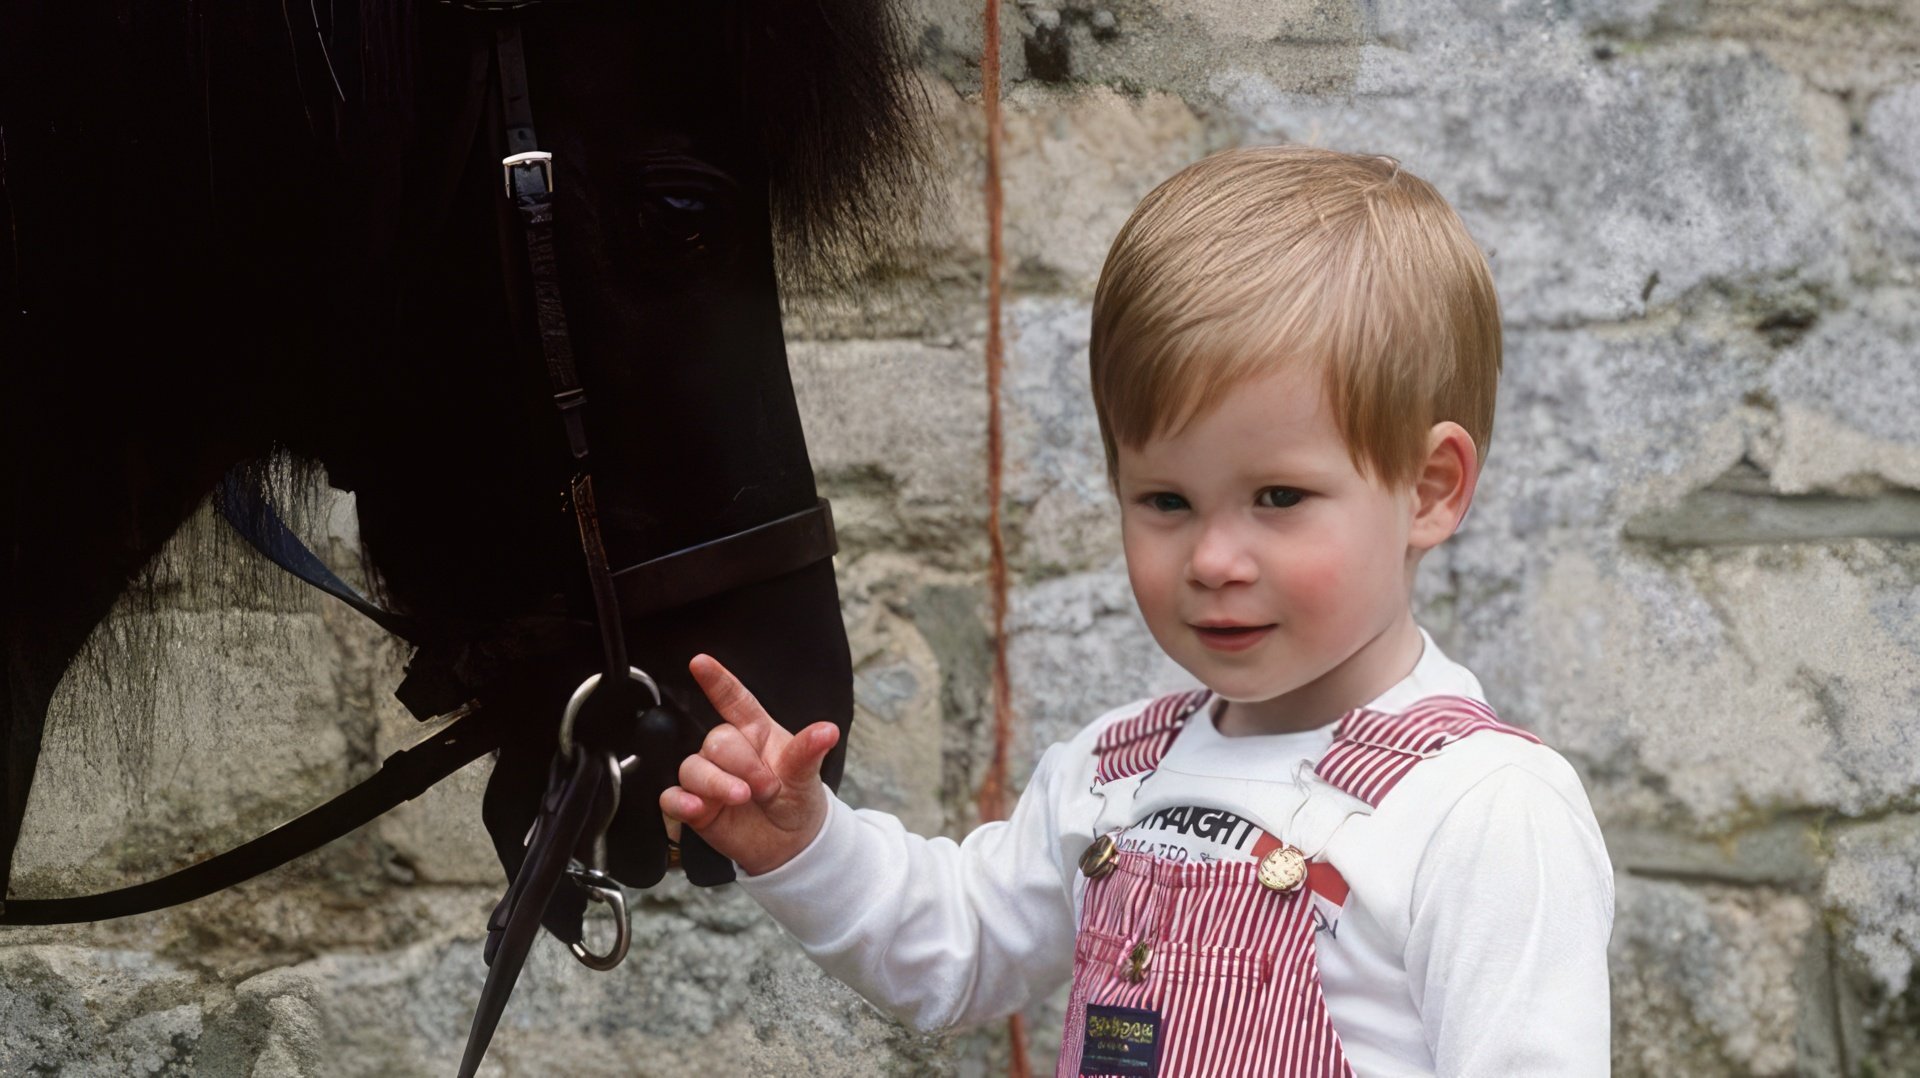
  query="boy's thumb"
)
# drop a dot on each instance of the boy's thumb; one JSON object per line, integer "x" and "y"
{"x": 800, "y": 759}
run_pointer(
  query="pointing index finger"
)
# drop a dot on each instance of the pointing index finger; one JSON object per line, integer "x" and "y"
{"x": 732, "y": 700}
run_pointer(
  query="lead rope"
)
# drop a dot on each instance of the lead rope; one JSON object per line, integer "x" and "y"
{"x": 992, "y": 799}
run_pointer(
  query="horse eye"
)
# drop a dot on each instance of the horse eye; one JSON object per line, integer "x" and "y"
{"x": 686, "y": 215}
{"x": 682, "y": 225}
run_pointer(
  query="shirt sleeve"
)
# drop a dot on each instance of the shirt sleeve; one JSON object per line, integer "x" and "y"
{"x": 1507, "y": 953}
{"x": 936, "y": 932}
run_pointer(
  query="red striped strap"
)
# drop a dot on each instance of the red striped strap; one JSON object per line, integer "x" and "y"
{"x": 1373, "y": 750}
{"x": 1132, "y": 746}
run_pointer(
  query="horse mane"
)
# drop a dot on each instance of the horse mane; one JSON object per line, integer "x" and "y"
{"x": 840, "y": 119}
{"x": 206, "y": 589}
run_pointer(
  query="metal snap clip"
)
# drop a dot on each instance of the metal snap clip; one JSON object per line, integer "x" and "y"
{"x": 601, "y": 888}
{"x": 598, "y": 826}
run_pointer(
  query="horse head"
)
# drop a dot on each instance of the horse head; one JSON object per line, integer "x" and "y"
{"x": 301, "y": 240}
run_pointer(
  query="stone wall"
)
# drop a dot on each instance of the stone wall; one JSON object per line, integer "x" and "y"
{"x": 1692, "y": 566}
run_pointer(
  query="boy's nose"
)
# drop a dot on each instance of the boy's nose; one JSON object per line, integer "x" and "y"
{"x": 1220, "y": 557}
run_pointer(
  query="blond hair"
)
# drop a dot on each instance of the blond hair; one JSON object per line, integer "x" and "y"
{"x": 1259, "y": 257}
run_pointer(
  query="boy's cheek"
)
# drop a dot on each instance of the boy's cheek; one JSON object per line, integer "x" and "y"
{"x": 1326, "y": 579}
{"x": 1155, "y": 570}
{"x": 1152, "y": 594}
{"x": 1314, "y": 592}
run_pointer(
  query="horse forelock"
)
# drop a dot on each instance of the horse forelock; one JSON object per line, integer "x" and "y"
{"x": 826, "y": 90}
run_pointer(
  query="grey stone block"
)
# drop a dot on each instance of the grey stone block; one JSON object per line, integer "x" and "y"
{"x": 896, "y": 762}
{"x": 1696, "y": 683}
{"x": 1075, "y": 166}
{"x": 897, "y": 433}
{"x": 237, "y": 727}
{"x": 83, "y": 1012}
{"x": 1890, "y": 163}
{"x": 1848, "y": 390}
{"x": 1875, "y": 920}
{"x": 1874, "y": 884}
{"x": 1597, "y": 191}
{"x": 1704, "y": 979}
{"x": 1066, "y": 519}
{"x": 1080, "y": 649}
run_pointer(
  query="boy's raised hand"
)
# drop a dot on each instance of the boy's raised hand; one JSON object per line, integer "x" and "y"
{"x": 754, "y": 790}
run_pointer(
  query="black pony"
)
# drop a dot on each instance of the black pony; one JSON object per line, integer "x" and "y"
{"x": 235, "y": 233}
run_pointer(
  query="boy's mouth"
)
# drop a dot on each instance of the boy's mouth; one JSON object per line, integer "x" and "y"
{"x": 1231, "y": 637}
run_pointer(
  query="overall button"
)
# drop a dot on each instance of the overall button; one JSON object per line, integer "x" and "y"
{"x": 1099, "y": 858}
{"x": 1137, "y": 961}
{"x": 1283, "y": 870}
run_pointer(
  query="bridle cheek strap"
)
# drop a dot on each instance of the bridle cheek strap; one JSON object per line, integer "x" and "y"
{"x": 528, "y": 172}
{"x": 581, "y": 775}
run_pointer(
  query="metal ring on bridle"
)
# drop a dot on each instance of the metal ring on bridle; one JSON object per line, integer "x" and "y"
{"x": 623, "y": 936}
{"x": 579, "y": 699}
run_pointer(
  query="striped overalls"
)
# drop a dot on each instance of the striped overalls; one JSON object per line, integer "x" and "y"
{"x": 1188, "y": 969}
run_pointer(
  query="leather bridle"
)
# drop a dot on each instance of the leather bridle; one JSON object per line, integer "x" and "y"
{"x": 565, "y": 847}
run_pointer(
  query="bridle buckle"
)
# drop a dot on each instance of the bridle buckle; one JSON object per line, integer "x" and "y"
{"x": 531, "y": 159}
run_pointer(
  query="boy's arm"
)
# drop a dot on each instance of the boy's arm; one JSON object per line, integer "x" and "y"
{"x": 1507, "y": 953}
{"x": 936, "y": 932}
{"x": 939, "y": 933}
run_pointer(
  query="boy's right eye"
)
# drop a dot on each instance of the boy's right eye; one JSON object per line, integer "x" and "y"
{"x": 1162, "y": 501}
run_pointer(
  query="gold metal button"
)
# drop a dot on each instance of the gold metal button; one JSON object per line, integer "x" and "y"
{"x": 1099, "y": 858}
{"x": 1283, "y": 870}
{"x": 1137, "y": 961}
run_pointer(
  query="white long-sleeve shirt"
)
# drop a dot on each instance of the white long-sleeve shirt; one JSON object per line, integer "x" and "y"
{"x": 1461, "y": 929}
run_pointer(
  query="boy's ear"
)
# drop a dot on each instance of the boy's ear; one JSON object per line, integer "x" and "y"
{"x": 1443, "y": 487}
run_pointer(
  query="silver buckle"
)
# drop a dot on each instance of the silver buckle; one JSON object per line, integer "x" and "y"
{"x": 531, "y": 158}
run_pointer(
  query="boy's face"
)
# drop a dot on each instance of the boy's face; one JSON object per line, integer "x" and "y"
{"x": 1254, "y": 515}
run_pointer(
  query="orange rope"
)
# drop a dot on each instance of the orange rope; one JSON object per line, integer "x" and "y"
{"x": 993, "y": 789}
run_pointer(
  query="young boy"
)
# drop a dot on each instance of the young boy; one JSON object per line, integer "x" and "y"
{"x": 1331, "y": 858}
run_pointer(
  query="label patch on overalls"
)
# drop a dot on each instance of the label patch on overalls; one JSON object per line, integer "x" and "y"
{"x": 1121, "y": 1040}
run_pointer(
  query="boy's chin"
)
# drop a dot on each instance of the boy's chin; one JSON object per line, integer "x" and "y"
{"x": 1234, "y": 678}
{"x": 1240, "y": 693}
{"x": 1242, "y": 686}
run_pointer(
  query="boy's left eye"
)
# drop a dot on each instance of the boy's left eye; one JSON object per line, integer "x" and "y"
{"x": 1271, "y": 497}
